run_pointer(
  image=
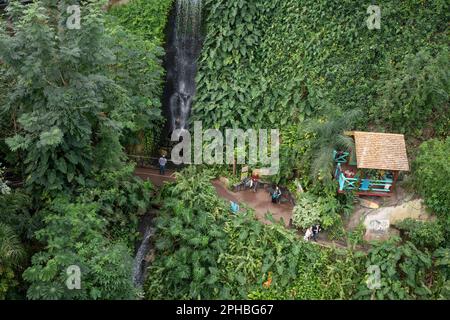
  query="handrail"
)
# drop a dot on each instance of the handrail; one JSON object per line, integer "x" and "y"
{"x": 346, "y": 183}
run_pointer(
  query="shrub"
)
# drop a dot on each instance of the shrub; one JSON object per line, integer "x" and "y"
{"x": 423, "y": 234}
{"x": 121, "y": 198}
{"x": 15, "y": 211}
{"x": 404, "y": 271}
{"x": 12, "y": 255}
{"x": 73, "y": 235}
{"x": 144, "y": 18}
{"x": 431, "y": 171}
{"x": 311, "y": 209}
{"x": 431, "y": 177}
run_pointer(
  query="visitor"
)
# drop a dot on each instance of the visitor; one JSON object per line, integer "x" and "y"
{"x": 234, "y": 207}
{"x": 162, "y": 165}
{"x": 276, "y": 195}
{"x": 255, "y": 181}
{"x": 315, "y": 231}
{"x": 308, "y": 234}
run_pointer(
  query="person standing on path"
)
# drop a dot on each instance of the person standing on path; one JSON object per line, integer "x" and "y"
{"x": 308, "y": 234}
{"x": 255, "y": 181}
{"x": 162, "y": 164}
{"x": 315, "y": 231}
{"x": 276, "y": 195}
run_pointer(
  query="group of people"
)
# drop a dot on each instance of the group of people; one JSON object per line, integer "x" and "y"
{"x": 312, "y": 232}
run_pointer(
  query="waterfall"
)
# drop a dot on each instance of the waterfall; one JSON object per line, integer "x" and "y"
{"x": 185, "y": 44}
{"x": 140, "y": 263}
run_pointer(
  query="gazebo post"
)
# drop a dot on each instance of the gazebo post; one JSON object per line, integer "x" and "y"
{"x": 394, "y": 180}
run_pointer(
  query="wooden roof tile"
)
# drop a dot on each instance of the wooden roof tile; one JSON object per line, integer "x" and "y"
{"x": 383, "y": 151}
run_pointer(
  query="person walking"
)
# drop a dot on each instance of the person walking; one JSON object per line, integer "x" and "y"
{"x": 308, "y": 234}
{"x": 255, "y": 181}
{"x": 315, "y": 231}
{"x": 162, "y": 164}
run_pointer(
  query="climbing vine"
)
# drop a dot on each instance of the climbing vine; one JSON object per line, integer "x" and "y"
{"x": 273, "y": 63}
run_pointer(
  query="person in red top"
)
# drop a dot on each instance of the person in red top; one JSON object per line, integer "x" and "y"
{"x": 255, "y": 178}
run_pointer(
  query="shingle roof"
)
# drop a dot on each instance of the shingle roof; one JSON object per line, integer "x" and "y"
{"x": 384, "y": 151}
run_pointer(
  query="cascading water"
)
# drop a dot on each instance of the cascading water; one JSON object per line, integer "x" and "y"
{"x": 185, "y": 43}
{"x": 183, "y": 49}
{"x": 140, "y": 263}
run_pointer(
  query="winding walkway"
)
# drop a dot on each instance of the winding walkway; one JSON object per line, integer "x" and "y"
{"x": 260, "y": 201}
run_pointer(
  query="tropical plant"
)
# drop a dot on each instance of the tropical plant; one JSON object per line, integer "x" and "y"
{"x": 416, "y": 92}
{"x": 122, "y": 199}
{"x": 403, "y": 272}
{"x": 424, "y": 234}
{"x": 146, "y": 19}
{"x": 431, "y": 176}
{"x": 16, "y": 211}
{"x": 311, "y": 209}
{"x": 73, "y": 236}
{"x": 12, "y": 254}
{"x": 69, "y": 112}
{"x": 431, "y": 170}
{"x": 273, "y": 63}
{"x": 329, "y": 136}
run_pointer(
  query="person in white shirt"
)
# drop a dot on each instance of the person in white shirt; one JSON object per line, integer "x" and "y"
{"x": 162, "y": 164}
{"x": 308, "y": 234}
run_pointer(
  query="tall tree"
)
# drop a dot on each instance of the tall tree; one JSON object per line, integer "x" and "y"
{"x": 69, "y": 112}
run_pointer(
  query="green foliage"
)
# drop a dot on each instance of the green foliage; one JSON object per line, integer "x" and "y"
{"x": 329, "y": 136}
{"x": 442, "y": 263}
{"x": 138, "y": 56}
{"x": 12, "y": 255}
{"x": 73, "y": 235}
{"x": 189, "y": 239}
{"x": 146, "y": 19}
{"x": 121, "y": 198}
{"x": 331, "y": 274}
{"x": 75, "y": 93}
{"x": 431, "y": 171}
{"x": 431, "y": 176}
{"x": 272, "y": 63}
{"x": 311, "y": 209}
{"x": 15, "y": 210}
{"x": 356, "y": 236}
{"x": 404, "y": 272}
{"x": 204, "y": 252}
{"x": 415, "y": 93}
{"x": 423, "y": 234}
{"x": 62, "y": 97}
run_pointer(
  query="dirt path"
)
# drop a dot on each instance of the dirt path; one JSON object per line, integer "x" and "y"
{"x": 260, "y": 201}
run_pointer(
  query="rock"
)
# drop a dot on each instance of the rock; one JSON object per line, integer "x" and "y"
{"x": 378, "y": 222}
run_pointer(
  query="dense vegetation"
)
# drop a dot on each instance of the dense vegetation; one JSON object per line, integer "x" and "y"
{"x": 203, "y": 251}
{"x": 74, "y": 103}
{"x": 276, "y": 62}
{"x": 71, "y": 105}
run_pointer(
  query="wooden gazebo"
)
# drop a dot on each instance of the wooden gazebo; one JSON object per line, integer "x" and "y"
{"x": 373, "y": 167}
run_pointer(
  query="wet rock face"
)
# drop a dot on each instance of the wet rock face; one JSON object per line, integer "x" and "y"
{"x": 378, "y": 222}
